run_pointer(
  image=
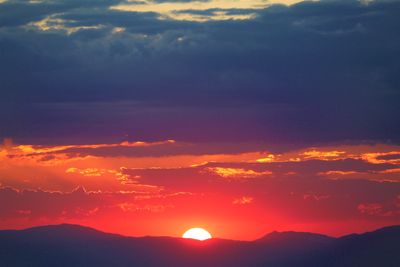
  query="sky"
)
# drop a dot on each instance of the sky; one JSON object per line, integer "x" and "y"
{"x": 238, "y": 116}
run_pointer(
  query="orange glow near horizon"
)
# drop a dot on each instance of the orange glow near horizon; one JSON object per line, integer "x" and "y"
{"x": 152, "y": 188}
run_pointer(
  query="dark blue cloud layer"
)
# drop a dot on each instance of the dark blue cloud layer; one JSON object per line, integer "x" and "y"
{"x": 313, "y": 72}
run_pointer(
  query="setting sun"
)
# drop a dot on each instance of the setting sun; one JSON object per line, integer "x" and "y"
{"x": 197, "y": 233}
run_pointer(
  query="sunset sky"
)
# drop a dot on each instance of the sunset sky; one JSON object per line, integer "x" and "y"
{"x": 238, "y": 116}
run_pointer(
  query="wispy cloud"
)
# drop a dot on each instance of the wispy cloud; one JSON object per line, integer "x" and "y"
{"x": 201, "y": 11}
{"x": 237, "y": 173}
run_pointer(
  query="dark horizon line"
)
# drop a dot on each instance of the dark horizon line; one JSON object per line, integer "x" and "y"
{"x": 213, "y": 238}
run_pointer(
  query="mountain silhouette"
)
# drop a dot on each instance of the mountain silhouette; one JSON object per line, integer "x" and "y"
{"x": 295, "y": 237}
{"x": 74, "y": 245}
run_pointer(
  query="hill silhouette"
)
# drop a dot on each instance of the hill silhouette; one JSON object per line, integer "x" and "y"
{"x": 74, "y": 245}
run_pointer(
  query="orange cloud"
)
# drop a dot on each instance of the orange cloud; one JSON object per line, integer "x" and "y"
{"x": 322, "y": 155}
{"x": 37, "y": 149}
{"x": 392, "y": 157}
{"x": 101, "y": 166}
{"x": 389, "y": 171}
{"x": 237, "y": 172}
{"x": 268, "y": 158}
{"x": 87, "y": 171}
{"x": 337, "y": 173}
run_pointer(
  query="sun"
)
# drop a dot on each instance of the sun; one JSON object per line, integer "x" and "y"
{"x": 197, "y": 233}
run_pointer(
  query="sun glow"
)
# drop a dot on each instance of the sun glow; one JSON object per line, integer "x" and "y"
{"x": 197, "y": 233}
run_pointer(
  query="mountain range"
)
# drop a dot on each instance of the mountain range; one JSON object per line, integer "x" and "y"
{"x": 74, "y": 245}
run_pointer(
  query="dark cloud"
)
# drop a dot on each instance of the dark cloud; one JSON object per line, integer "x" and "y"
{"x": 309, "y": 73}
{"x": 389, "y": 157}
{"x": 18, "y": 13}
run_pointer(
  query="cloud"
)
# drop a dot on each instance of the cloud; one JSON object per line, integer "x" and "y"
{"x": 277, "y": 78}
{"x": 189, "y": 10}
{"x": 303, "y": 98}
{"x": 383, "y": 157}
{"x": 238, "y": 173}
{"x": 130, "y": 207}
{"x": 38, "y": 203}
{"x": 243, "y": 200}
{"x": 315, "y": 154}
{"x": 87, "y": 171}
{"x": 338, "y": 173}
{"x": 263, "y": 191}
{"x": 17, "y": 13}
{"x": 52, "y": 23}
{"x": 396, "y": 170}
{"x": 315, "y": 197}
{"x": 141, "y": 166}
{"x": 390, "y": 209}
{"x": 76, "y": 204}
{"x": 190, "y": 192}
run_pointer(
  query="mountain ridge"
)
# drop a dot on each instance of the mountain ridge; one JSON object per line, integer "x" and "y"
{"x": 395, "y": 227}
{"x": 75, "y": 245}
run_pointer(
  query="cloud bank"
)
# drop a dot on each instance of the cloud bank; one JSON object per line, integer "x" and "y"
{"x": 306, "y": 73}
